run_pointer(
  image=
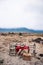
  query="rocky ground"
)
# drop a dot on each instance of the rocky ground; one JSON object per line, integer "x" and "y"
{"x": 6, "y": 39}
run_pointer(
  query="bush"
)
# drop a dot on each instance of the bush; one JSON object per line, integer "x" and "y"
{"x": 20, "y": 34}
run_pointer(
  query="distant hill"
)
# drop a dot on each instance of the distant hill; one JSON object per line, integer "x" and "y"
{"x": 23, "y": 29}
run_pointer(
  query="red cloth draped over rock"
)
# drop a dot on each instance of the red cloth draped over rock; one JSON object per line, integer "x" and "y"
{"x": 21, "y": 47}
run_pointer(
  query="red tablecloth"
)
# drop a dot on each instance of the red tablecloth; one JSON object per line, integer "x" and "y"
{"x": 21, "y": 47}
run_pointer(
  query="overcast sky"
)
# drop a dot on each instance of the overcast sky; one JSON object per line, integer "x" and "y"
{"x": 21, "y": 13}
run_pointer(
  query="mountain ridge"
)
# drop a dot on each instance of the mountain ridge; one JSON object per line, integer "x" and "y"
{"x": 21, "y": 29}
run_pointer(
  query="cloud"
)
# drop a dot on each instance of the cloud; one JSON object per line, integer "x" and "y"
{"x": 21, "y": 13}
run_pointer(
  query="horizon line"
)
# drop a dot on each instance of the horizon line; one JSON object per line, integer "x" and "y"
{"x": 18, "y": 28}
